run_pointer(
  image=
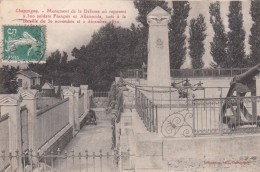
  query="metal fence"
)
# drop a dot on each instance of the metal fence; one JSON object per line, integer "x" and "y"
{"x": 189, "y": 73}
{"x": 134, "y": 73}
{"x": 147, "y": 111}
{"x": 58, "y": 161}
{"x": 226, "y": 115}
{"x": 181, "y": 97}
{"x": 100, "y": 94}
{"x": 192, "y": 73}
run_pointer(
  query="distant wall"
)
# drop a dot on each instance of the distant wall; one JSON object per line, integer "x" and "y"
{"x": 216, "y": 82}
{"x": 47, "y": 119}
{"x": 43, "y": 102}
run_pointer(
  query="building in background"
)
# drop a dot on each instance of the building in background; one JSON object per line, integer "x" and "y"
{"x": 28, "y": 79}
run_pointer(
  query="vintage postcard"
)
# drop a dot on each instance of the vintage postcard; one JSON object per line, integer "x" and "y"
{"x": 129, "y": 86}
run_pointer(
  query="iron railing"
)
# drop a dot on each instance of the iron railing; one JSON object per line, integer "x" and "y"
{"x": 216, "y": 116}
{"x": 226, "y": 115}
{"x": 181, "y": 97}
{"x": 100, "y": 94}
{"x": 147, "y": 111}
{"x": 63, "y": 161}
{"x": 193, "y": 73}
{"x": 189, "y": 73}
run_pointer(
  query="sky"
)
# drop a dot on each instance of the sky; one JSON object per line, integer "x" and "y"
{"x": 67, "y": 36}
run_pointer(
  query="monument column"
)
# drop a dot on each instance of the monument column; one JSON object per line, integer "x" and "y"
{"x": 158, "y": 72}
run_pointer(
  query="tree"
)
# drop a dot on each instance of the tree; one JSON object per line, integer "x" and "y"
{"x": 8, "y": 83}
{"x": 55, "y": 69}
{"x": 110, "y": 51}
{"x": 144, "y": 7}
{"x": 236, "y": 35}
{"x": 254, "y": 38}
{"x": 218, "y": 47}
{"x": 196, "y": 45}
{"x": 177, "y": 35}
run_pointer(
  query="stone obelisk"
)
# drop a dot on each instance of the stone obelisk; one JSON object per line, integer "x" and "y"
{"x": 158, "y": 72}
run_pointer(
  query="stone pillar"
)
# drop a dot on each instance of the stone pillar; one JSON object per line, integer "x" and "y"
{"x": 158, "y": 73}
{"x": 29, "y": 100}
{"x": 69, "y": 93}
{"x": 84, "y": 89}
{"x": 117, "y": 79}
{"x": 11, "y": 104}
{"x": 90, "y": 97}
{"x": 76, "y": 108}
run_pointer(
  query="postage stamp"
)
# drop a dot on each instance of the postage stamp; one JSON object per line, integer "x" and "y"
{"x": 24, "y": 43}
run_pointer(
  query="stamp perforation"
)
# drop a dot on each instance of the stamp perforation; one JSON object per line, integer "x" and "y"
{"x": 33, "y": 45}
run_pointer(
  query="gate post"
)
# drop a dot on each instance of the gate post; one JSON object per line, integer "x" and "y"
{"x": 11, "y": 104}
{"x": 84, "y": 89}
{"x": 76, "y": 108}
{"x": 29, "y": 99}
{"x": 69, "y": 93}
{"x": 90, "y": 98}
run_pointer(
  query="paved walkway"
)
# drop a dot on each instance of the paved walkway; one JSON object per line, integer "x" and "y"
{"x": 91, "y": 138}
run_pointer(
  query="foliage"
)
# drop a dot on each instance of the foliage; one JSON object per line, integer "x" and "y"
{"x": 59, "y": 92}
{"x": 113, "y": 96}
{"x": 254, "y": 38}
{"x": 110, "y": 51}
{"x": 177, "y": 35}
{"x": 196, "y": 45}
{"x": 236, "y": 35}
{"x": 219, "y": 44}
{"x": 144, "y": 7}
{"x": 8, "y": 83}
{"x": 55, "y": 69}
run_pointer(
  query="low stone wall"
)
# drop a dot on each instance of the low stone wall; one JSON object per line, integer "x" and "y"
{"x": 59, "y": 141}
{"x": 211, "y": 152}
{"x": 99, "y": 102}
{"x": 83, "y": 120}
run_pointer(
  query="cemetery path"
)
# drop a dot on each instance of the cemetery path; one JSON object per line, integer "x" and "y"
{"x": 92, "y": 138}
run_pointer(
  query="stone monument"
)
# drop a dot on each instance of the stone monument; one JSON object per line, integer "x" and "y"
{"x": 158, "y": 73}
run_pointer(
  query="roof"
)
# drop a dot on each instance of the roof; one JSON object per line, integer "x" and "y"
{"x": 47, "y": 86}
{"x": 29, "y": 74}
{"x": 158, "y": 11}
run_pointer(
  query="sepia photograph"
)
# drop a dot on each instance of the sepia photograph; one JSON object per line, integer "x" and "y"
{"x": 129, "y": 86}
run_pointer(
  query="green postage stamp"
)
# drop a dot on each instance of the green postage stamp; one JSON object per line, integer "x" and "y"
{"x": 24, "y": 43}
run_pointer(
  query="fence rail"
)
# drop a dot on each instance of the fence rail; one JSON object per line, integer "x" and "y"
{"x": 71, "y": 161}
{"x": 147, "y": 111}
{"x": 189, "y": 73}
{"x": 226, "y": 115}
{"x": 100, "y": 94}
{"x": 169, "y": 97}
{"x": 192, "y": 73}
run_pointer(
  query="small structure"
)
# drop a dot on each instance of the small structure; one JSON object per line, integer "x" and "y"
{"x": 48, "y": 89}
{"x": 28, "y": 79}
